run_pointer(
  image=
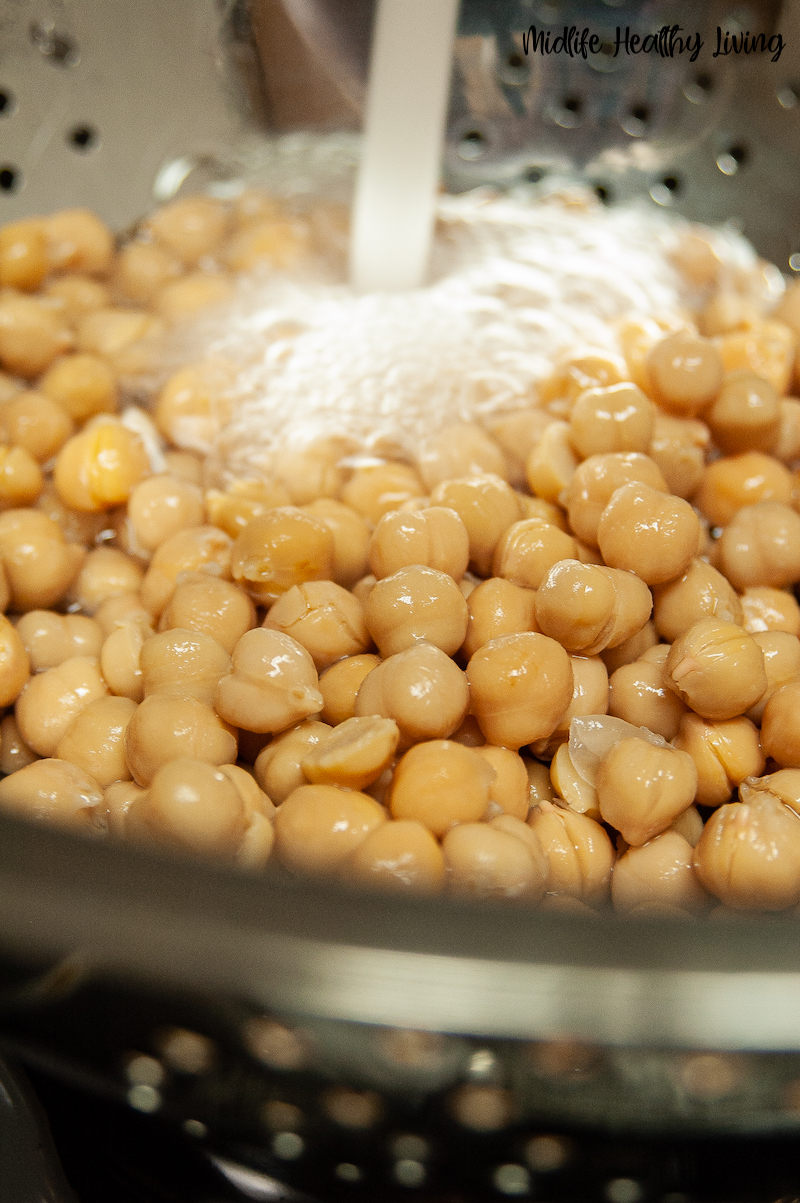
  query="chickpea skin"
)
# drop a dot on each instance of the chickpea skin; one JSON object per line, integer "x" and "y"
{"x": 284, "y": 548}
{"x": 166, "y": 728}
{"x": 416, "y": 603}
{"x": 324, "y": 618}
{"x": 717, "y": 669}
{"x": 421, "y": 689}
{"x": 400, "y": 855}
{"x": 434, "y": 538}
{"x": 661, "y": 871}
{"x": 319, "y": 827}
{"x": 653, "y": 534}
{"x": 272, "y": 685}
{"x": 520, "y": 687}
{"x": 439, "y": 784}
{"x": 761, "y": 546}
{"x": 641, "y": 789}
{"x": 53, "y": 791}
{"x": 724, "y": 752}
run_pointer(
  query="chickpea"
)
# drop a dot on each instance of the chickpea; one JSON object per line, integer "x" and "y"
{"x": 535, "y": 507}
{"x": 21, "y": 479}
{"x": 340, "y": 684}
{"x": 76, "y": 296}
{"x": 53, "y": 791}
{"x": 469, "y": 733}
{"x": 416, "y": 603}
{"x": 351, "y": 539}
{"x": 745, "y": 416}
{"x": 98, "y": 468}
{"x": 653, "y": 534}
{"x": 630, "y": 650}
{"x": 183, "y": 298}
{"x": 35, "y": 425}
{"x": 190, "y": 804}
{"x": 717, "y": 669}
{"x": 243, "y": 501}
{"x": 165, "y": 728}
{"x": 319, "y": 827}
{"x": 23, "y": 255}
{"x": 516, "y": 434}
{"x": 95, "y": 740}
{"x": 539, "y": 784}
{"x": 439, "y": 784}
{"x": 781, "y": 653}
{"x": 741, "y": 480}
{"x": 180, "y": 663}
{"x": 487, "y": 506}
{"x": 587, "y": 607}
{"x": 117, "y": 800}
{"x": 766, "y": 349}
{"x": 198, "y": 549}
{"x": 399, "y": 855}
{"x": 490, "y": 863}
{"x": 578, "y": 853}
{"x": 125, "y": 338}
{"x": 552, "y": 463}
{"x": 529, "y": 549}
{"x": 498, "y": 607}
{"x": 159, "y": 507}
{"x": 434, "y": 538}
{"x": 77, "y": 240}
{"x": 354, "y": 754}
{"x": 82, "y": 385}
{"x": 520, "y": 687}
{"x": 117, "y": 611}
{"x": 280, "y": 243}
{"x": 272, "y": 685}
{"x": 463, "y": 449}
{"x": 375, "y": 489}
{"x": 749, "y": 854}
{"x": 315, "y": 472}
{"x": 699, "y": 592}
{"x": 618, "y": 417}
{"x": 596, "y": 481}
{"x": 761, "y": 546}
{"x": 364, "y": 587}
{"x": 50, "y": 639}
{"x": 284, "y": 548}
{"x": 212, "y": 607}
{"x": 589, "y": 696}
{"x": 787, "y": 447}
{"x": 638, "y": 694}
{"x": 50, "y": 701}
{"x": 192, "y": 407}
{"x": 661, "y": 871}
{"x": 784, "y": 784}
{"x": 576, "y": 371}
{"x": 509, "y": 793}
{"x": 39, "y": 564}
{"x": 324, "y": 618}
{"x": 31, "y": 336}
{"x": 142, "y": 269}
{"x": 686, "y": 372}
{"x": 278, "y": 766}
{"x": 641, "y": 789}
{"x": 421, "y": 689}
{"x": 768, "y": 609}
{"x": 724, "y": 753}
{"x": 191, "y": 227}
{"x": 184, "y": 465}
{"x": 120, "y": 659}
{"x": 780, "y": 726}
{"x": 678, "y": 449}
{"x": 106, "y": 573}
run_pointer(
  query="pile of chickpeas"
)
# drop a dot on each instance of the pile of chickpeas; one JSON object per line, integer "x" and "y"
{"x": 555, "y": 658}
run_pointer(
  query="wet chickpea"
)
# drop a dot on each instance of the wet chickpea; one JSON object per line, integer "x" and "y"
{"x": 315, "y": 472}
{"x": 192, "y": 409}
{"x": 180, "y": 663}
{"x": 578, "y": 852}
{"x": 639, "y": 695}
{"x": 95, "y": 740}
{"x": 15, "y": 664}
{"x": 629, "y": 651}
{"x": 76, "y": 295}
{"x": 540, "y": 786}
{"x": 529, "y": 549}
{"x": 724, "y": 753}
{"x": 662, "y": 871}
{"x": 119, "y": 610}
{"x": 781, "y": 653}
{"x": 21, "y": 479}
{"x": 36, "y": 424}
{"x": 50, "y": 701}
{"x": 552, "y": 463}
{"x": 49, "y": 638}
{"x": 699, "y": 592}
{"x": 787, "y": 447}
{"x": 717, "y": 669}
{"x": 191, "y": 227}
{"x": 272, "y": 684}
{"x": 589, "y": 696}
{"x": 319, "y": 827}
{"x": 192, "y": 805}
{"x": 766, "y": 349}
{"x": 31, "y": 336}
{"x": 354, "y": 754}
{"x": 123, "y": 337}
{"x": 618, "y": 417}
{"x": 421, "y": 689}
{"x": 439, "y": 784}
{"x": 340, "y": 684}
{"x": 399, "y": 855}
{"x": 498, "y": 607}
{"x": 14, "y": 752}
{"x": 509, "y": 793}
{"x": 278, "y": 766}
{"x": 686, "y": 372}
{"x": 596, "y": 481}
{"x": 53, "y": 791}
{"x": 40, "y": 565}
{"x": 761, "y": 546}
{"x": 737, "y": 857}
{"x": 434, "y": 538}
{"x": 641, "y": 789}
{"x": 726, "y": 312}
{"x": 98, "y": 468}
{"x": 463, "y": 449}
{"x": 784, "y": 784}
{"x": 516, "y": 434}
{"x": 364, "y": 587}
{"x": 198, "y": 549}
{"x": 106, "y": 573}
{"x": 535, "y": 507}
{"x": 281, "y": 243}
{"x": 243, "y": 501}
{"x": 284, "y": 548}
{"x": 678, "y": 448}
{"x": 780, "y": 726}
{"x": 745, "y": 415}
{"x": 490, "y": 863}
{"x": 182, "y": 298}
{"x": 23, "y": 255}
{"x": 768, "y": 609}
{"x": 324, "y": 618}
{"x": 77, "y": 240}
{"x": 469, "y": 733}
{"x": 165, "y": 728}
{"x": 487, "y": 506}
{"x": 576, "y": 371}
{"x": 587, "y": 607}
{"x": 520, "y": 687}
{"x": 142, "y": 269}
{"x": 375, "y": 489}
{"x": 653, "y": 534}
{"x": 159, "y": 507}
{"x": 416, "y": 603}
{"x": 120, "y": 659}
{"x": 741, "y": 480}
{"x": 82, "y": 385}
{"x": 117, "y": 799}
{"x": 351, "y": 539}
{"x": 212, "y": 607}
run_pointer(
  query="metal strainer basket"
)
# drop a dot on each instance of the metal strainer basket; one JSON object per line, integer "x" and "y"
{"x": 371, "y": 1046}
